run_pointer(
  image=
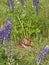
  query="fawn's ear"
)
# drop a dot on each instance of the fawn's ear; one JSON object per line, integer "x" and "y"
{"x": 25, "y": 43}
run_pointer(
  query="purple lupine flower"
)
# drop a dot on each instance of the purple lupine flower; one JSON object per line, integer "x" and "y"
{"x": 7, "y": 30}
{"x": 22, "y": 2}
{"x": 43, "y": 54}
{"x": 5, "y": 33}
{"x": 1, "y": 36}
{"x": 35, "y": 3}
{"x": 8, "y": 23}
{"x": 11, "y": 4}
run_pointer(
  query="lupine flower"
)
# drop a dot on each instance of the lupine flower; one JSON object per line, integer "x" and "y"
{"x": 9, "y": 24}
{"x": 7, "y": 30}
{"x": 5, "y": 33}
{"x": 43, "y": 54}
{"x": 35, "y": 3}
{"x": 11, "y": 4}
{"x": 1, "y": 37}
{"x": 22, "y": 2}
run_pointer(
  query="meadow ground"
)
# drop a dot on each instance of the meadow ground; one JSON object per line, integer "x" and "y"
{"x": 25, "y": 23}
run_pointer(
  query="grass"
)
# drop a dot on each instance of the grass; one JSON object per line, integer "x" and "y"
{"x": 25, "y": 23}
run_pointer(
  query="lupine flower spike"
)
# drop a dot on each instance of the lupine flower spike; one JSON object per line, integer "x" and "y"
{"x": 1, "y": 33}
{"x": 22, "y": 2}
{"x": 7, "y": 30}
{"x": 43, "y": 55}
{"x": 1, "y": 36}
{"x": 11, "y": 4}
{"x": 8, "y": 44}
{"x": 35, "y": 3}
{"x": 5, "y": 33}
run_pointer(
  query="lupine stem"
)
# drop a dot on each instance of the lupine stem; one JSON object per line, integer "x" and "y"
{"x": 9, "y": 52}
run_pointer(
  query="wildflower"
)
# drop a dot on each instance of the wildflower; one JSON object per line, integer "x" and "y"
{"x": 43, "y": 54}
{"x": 22, "y": 2}
{"x": 5, "y": 33}
{"x": 9, "y": 23}
{"x": 35, "y": 3}
{"x": 7, "y": 30}
{"x": 11, "y": 4}
{"x": 1, "y": 37}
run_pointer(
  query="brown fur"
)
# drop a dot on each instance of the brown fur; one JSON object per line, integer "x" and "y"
{"x": 25, "y": 43}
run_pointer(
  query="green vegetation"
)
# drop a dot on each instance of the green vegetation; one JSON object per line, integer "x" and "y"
{"x": 25, "y": 23}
